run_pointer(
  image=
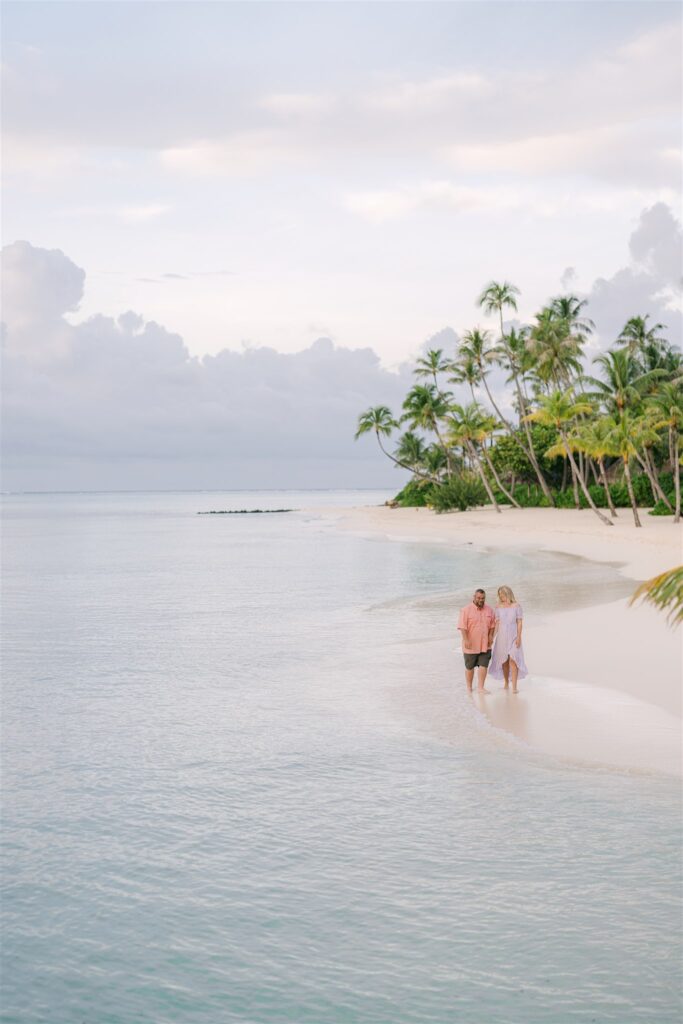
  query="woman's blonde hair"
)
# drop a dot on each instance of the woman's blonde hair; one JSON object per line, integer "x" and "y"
{"x": 505, "y": 594}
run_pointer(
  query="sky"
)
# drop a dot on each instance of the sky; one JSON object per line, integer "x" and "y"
{"x": 241, "y": 180}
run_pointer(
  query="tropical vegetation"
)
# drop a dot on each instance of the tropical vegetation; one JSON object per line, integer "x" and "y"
{"x": 521, "y": 414}
{"x": 665, "y": 592}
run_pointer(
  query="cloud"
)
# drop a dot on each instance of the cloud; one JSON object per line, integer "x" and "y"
{"x": 389, "y": 204}
{"x": 296, "y": 104}
{"x": 38, "y": 287}
{"x": 616, "y": 152}
{"x": 100, "y": 400}
{"x": 614, "y": 116}
{"x": 135, "y": 214}
{"x": 117, "y": 391}
{"x": 650, "y": 283}
{"x": 568, "y": 277}
{"x": 380, "y": 205}
{"x": 245, "y": 153}
{"x": 431, "y": 95}
{"x": 141, "y": 214}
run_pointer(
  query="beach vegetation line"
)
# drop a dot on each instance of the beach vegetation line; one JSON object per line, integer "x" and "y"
{"x": 559, "y": 436}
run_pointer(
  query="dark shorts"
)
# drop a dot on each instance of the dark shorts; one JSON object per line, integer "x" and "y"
{"x": 477, "y": 660}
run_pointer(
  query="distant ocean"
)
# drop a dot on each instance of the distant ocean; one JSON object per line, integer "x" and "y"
{"x": 240, "y": 785}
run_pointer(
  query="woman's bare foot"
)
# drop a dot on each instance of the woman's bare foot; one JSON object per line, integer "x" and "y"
{"x": 515, "y": 690}
{"x": 482, "y": 689}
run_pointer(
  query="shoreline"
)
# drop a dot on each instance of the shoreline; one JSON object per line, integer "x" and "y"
{"x": 605, "y": 679}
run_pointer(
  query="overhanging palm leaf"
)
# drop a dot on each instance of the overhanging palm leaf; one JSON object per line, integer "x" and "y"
{"x": 664, "y": 591}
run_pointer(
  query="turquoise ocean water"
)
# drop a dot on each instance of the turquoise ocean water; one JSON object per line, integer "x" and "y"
{"x": 241, "y": 785}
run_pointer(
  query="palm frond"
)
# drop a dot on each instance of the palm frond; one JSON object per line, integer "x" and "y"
{"x": 665, "y": 592}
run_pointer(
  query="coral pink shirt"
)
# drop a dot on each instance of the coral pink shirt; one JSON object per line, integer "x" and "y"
{"x": 478, "y": 622}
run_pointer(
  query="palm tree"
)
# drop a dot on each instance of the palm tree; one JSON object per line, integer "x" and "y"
{"x": 497, "y": 297}
{"x": 593, "y": 438}
{"x": 559, "y": 451}
{"x": 666, "y": 592}
{"x": 636, "y": 336}
{"x": 476, "y": 345}
{"x": 465, "y": 428}
{"x": 488, "y": 428}
{"x": 435, "y": 461}
{"x": 624, "y": 382}
{"x": 432, "y": 364}
{"x": 662, "y": 357}
{"x": 667, "y": 404}
{"x": 424, "y": 406}
{"x": 620, "y": 436}
{"x": 515, "y": 356}
{"x": 570, "y": 308}
{"x": 645, "y": 437}
{"x": 411, "y": 450}
{"x": 559, "y": 410}
{"x": 477, "y": 350}
{"x": 379, "y": 420}
{"x": 555, "y": 349}
{"x": 465, "y": 370}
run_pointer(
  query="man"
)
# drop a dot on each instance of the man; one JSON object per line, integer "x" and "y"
{"x": 476, "y": 625}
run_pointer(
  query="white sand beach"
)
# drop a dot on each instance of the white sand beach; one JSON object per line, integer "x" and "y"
{"x": 605, "y": 682}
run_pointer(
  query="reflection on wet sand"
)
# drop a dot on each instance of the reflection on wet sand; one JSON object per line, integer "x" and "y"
{"x": 504, "y": 710}
{"x": 586, "y": 723}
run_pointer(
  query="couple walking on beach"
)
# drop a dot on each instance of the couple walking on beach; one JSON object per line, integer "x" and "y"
{"x": 492, "y": 640}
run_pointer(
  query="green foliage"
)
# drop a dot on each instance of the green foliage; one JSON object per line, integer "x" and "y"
{"x": 661, "y": 509}
{"x": 531, "y": 496}
{"x": 528, "y": 496}
{"x": 460, "y": 492}
{"x": 415, "y": 494}
{"x": 508, "y": 457}
{"x": 665, "y": 592}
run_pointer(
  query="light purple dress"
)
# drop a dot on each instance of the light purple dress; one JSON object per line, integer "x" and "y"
{"x": 504, "y": 645}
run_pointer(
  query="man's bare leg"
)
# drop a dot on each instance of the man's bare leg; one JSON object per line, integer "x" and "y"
{"x": 469, "y": 677}
{"x": 506, "y": 673}
{"x": 481, "y": 679}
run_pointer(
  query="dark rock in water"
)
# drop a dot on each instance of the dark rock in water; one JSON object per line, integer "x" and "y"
{"x": 244, "y": 511}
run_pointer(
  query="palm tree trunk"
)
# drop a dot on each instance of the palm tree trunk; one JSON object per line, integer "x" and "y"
{"x": 677, "y": 481}
{"x": 629, "y": 484}
{"x": 655, "y": 475}
{"x": 529, "y": 452}
{"x": 575, "y": 486}
{"x": 499, "y": 482}
{"x": 484, "y": 479}
{"x": 657, "y": 491}
{"x": 575, "y": 471}
{"x": 608, "y": 493}
{"x": 404, "y": 465}
{"x": 446, "y": 451}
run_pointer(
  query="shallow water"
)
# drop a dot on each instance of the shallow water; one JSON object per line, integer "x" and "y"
{"x": 238, "y": 786}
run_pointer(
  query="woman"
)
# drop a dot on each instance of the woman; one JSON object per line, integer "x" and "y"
{"x": 507, "y": 657}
